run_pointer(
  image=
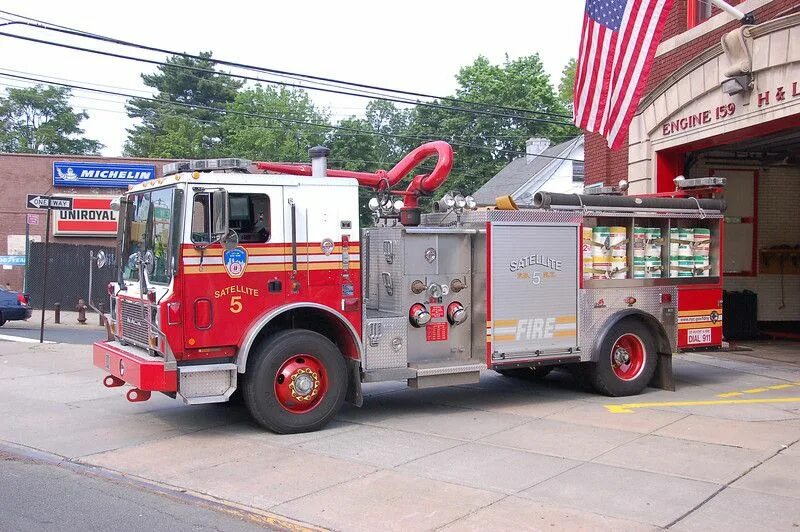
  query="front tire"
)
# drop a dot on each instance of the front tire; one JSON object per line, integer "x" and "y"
{"x": 627, "y": 360}
{"x": 296, "y": 382}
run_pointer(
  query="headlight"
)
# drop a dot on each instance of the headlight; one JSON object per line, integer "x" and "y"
{"x": 471, "y": 203}
{"x": 398, "y": 205}
{"x": 373, "y": 204}
{"x": 460, "y": 201}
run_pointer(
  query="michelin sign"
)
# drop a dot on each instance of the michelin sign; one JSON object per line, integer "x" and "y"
{"x": 73, "y": 174}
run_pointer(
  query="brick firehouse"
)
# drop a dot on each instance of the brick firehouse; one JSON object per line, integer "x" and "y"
{"x": 723, "y": 100}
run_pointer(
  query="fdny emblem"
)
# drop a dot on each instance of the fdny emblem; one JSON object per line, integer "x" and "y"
{"x": 235, "y": 261}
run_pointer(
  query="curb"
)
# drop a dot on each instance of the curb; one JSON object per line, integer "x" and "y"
{"x": 11, "y": 451}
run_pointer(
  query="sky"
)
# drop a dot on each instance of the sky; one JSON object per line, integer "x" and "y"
{"x": 412, "y": 45}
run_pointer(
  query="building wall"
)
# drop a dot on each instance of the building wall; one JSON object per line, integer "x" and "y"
{"x": 24, "y": 174}
{"x": 678, "y": 47}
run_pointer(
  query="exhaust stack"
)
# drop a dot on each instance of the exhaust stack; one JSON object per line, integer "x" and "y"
{"x": 319, "y": 161}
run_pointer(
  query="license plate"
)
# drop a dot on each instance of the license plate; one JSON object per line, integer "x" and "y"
{"x": 699, "y": 336}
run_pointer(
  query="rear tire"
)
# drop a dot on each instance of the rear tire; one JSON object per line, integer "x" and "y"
{"x": 527, "y": 373}
{"x": 296, "y": 382}
{"x": 626, "y": 361}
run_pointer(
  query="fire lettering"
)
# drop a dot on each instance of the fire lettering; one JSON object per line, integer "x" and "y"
{"x": 763, "y": 98}
{"x": 536, "y": 328}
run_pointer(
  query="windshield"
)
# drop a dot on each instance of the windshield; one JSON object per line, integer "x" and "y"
{"x": 151, "y": 224}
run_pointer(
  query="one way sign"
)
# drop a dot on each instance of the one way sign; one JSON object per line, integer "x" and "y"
{"x": 39, "y": 201}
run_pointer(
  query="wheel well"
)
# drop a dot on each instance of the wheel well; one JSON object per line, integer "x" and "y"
{"x": 663, "y": 345}
{"x": 312, "y": 319}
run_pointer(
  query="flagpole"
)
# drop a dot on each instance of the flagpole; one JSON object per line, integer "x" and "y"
{"x": 732, "y": 11}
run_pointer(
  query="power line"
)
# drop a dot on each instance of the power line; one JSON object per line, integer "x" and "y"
{"x": 340, "y": 115}
{"x": 278, "y": 118}
{"x": 276, "y": 82}
{"x": 80, "y": 33}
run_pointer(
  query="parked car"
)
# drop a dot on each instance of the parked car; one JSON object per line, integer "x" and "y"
{"x": 13, "y": 306}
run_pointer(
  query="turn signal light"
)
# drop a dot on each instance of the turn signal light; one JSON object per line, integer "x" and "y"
{"x": 151, "y": 296}
{"x": 418, "y": 315}
{"x": 456, "y": 313}
{"x": 174, "y": 313}
{"x": 110, "y": 289}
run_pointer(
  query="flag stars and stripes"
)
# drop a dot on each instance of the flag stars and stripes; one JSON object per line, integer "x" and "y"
{"x": 617, "y": 49}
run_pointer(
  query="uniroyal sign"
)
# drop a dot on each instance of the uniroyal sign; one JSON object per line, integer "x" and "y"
{"x": 90, "y": 216}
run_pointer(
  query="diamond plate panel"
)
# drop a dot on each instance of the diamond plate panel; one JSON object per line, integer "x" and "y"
{"x": 211, "y": 380}
{"x": 597, "y": 305}
{"x": 381, "y": 344}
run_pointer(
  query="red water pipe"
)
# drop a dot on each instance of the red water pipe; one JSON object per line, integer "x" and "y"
{"x": 420, "y": 185}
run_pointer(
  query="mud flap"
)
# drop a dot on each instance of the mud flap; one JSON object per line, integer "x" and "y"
{"x": 663, "y": 377}
{"x": 354, "y": 395}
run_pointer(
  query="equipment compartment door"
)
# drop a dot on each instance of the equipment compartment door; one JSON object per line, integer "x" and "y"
{"x": 534, "y": 290}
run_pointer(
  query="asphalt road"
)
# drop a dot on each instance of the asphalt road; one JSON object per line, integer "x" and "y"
{"x": 29, "y": 330}
{"x": 41, "y": 496}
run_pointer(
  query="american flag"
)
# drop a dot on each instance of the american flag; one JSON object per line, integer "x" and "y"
{"x": 618, "y": 45}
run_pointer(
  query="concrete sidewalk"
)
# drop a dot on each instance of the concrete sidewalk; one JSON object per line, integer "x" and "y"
{"x": 721, "y": 453}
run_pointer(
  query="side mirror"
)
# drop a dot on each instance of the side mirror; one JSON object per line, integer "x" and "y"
{"x": 219, "y": 214}
{"x": 230, "y": 240}
{"x": 101, "y": 259}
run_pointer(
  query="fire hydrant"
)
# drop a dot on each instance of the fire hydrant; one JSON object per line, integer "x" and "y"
{"x": 81, "y": 308}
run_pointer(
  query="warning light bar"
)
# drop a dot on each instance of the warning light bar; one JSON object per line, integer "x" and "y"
{"x": 206, "y": 165}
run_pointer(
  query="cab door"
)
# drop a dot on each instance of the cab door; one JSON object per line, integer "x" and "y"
{"x": 227, "y": 289}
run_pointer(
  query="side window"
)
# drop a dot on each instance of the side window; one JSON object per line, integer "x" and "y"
{"x": 250, "y": 217}
{"x": 201, "y": 218}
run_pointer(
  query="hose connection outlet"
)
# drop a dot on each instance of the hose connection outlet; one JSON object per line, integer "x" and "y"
{"x": 418, "y": 315}
{"x": 456, "y": 313}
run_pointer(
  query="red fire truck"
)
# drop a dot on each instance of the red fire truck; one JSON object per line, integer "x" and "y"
{"x": 257, "y": 279}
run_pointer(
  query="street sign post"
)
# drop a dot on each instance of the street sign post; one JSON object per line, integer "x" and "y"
{"x": 40, "y": 201}
{"x": 50, "y": 203}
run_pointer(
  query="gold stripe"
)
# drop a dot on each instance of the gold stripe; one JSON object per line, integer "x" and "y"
{"x": 566, "y": 319}
{"x": 302, "y": 249}
{"x": 701, "y": 325}
{"x": 706, "y": 312}
{"x": 505, "y": 323}
{"x": 564, "y": 334}
{"x": 505, "y": 337}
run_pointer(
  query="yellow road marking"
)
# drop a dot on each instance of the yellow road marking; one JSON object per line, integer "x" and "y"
{"x": 760, "y": 390}
{"x": 628, "y": 408}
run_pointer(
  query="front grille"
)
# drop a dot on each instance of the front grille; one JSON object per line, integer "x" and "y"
{"x": 134, "y": 322}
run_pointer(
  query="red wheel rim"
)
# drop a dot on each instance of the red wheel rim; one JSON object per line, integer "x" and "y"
{"x": 300, "y": 383}
{"x": 627, "y": 357}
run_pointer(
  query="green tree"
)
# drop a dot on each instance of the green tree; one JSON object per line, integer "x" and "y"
{"x": 40, "y": 120}
{"x": 566, "y": 87}
{"x": 178, "y": 131}
{"x": 282, "y": 138}
{"x": 379, "y": 147}
{"x": 484, "y": 144}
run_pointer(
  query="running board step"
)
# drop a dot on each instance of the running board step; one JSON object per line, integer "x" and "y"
{"x": 446, "y": 374}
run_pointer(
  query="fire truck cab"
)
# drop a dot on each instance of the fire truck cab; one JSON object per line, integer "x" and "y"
{"x": 237, "y": 280}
